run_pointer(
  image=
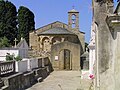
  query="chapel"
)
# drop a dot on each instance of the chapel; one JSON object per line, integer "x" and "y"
{"x": 62, "y": 43}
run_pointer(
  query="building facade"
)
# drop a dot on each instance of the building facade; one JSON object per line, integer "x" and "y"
{"x": 107, "y": 38}
{"x": 62, "y": 43}
{"x": 91, "y": 47}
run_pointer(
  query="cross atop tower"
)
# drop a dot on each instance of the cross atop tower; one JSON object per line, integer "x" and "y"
{"x": 73, "y": 7}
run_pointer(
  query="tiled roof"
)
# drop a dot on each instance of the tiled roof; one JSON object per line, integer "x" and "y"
{"x": 56, "y": 30}
{"x": 51, "y": 24}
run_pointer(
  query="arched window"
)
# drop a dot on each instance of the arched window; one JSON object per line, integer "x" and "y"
{"x": 73, "y": 21}
{"x": 56, "y": 40}
{"x": 46, "y": 44}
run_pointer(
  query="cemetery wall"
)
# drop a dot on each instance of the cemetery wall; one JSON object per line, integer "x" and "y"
{"x": 23, "y": 79}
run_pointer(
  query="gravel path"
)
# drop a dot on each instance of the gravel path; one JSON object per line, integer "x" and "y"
{"x": 59, "y": 80}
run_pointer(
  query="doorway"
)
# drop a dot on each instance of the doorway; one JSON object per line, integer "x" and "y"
{"x": 65, "y": 60}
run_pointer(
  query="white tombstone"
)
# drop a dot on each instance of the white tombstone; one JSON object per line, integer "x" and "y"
{"x": 20, "y": 50}
{"x": 92, "y": 48}
{"x": 23, "y": 48}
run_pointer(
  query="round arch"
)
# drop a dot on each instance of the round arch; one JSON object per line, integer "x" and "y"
{"x": 46, "y": 44}
{"x": 56, "y": 40}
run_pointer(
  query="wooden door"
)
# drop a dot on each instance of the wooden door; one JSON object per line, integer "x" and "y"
{"x": 67, "y": 59}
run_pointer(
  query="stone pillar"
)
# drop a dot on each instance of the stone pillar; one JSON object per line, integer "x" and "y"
{"x": 114, "y": 24}
{"x": 91, "y": 59}
{"x": 103, "y": 44}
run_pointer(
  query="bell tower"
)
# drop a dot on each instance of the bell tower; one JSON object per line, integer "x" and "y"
{"x": 73, "y": 19}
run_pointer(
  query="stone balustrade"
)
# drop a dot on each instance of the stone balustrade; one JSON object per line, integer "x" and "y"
{"x": 22, "y": 79}
{"x": 24, "y": 65}
{"x": 27, "y": 64}
{"x": 7, "y": 67}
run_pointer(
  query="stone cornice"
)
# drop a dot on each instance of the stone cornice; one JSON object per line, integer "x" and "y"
{"x": 113, "y": 21}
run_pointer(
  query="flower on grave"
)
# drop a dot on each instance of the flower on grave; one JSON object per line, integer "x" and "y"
{"x": 91, "y": 76}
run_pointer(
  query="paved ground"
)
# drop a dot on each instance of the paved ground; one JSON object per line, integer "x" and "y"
{"x": 59, "y": 80}
{"x": 62, "y": 80}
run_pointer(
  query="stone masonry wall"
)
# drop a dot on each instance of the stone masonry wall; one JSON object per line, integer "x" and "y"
{"x": 104, "y": 74}
{"x": 20, "y": 81}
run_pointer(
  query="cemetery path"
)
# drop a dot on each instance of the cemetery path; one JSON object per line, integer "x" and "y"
{"x": 59, "y": 80}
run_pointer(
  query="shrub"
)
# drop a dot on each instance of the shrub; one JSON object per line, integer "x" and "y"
{"x": 18, "y": 58}
{"x": 9, "y": 57}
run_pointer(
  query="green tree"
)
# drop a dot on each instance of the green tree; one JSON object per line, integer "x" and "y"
{"x": 4, "y": 42}
{"x": 8, "y": 21}
{"x": 25, "y": 22}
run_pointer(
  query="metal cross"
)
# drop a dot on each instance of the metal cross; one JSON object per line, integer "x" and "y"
{"x": 73, "y": 7}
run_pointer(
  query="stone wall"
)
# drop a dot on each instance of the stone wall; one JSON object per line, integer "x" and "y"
{"x": 57, "y": 59}
{"x": 1, "y": 83}
{"x": 29, "y": 79}
{"x": 107, "y": 66}
{"x": 13, "y": 82}
{"x": 41, "y": 44}
{"x": 33, "y": 40}
{"x": 115, "y": 63}
{"x": 20, "y": 81}
{"x": 44, "y": 43}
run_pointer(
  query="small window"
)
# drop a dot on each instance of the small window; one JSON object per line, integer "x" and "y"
{"x": 38, "y": 39}
{"x": 73, "y": 21}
